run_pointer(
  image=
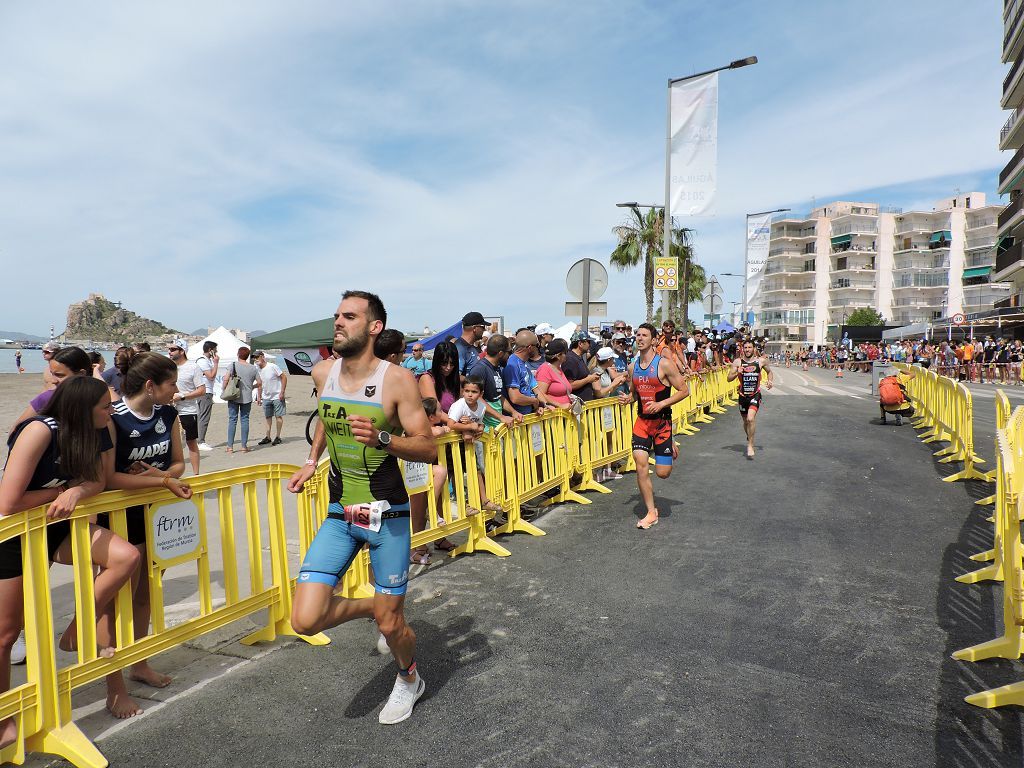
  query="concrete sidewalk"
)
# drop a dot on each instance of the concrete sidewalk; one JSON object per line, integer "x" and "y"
{"x": 797, "y": 610}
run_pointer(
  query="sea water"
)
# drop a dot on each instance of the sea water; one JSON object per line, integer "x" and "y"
{"x": 31, "y": 360}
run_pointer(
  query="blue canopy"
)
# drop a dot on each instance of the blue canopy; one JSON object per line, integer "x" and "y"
{"x": 432, "y": 341}
{"x": 724, "y": 327}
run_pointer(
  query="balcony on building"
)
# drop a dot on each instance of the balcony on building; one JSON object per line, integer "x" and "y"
{"x": 1008, "y": 262}
{"x": 1011, "y": 136}
{"x": 1012, "y": 175}
{"x": 1011, "y": 216}
{"x": 1013, "y": 31}
{"x": 1013, "y": 84}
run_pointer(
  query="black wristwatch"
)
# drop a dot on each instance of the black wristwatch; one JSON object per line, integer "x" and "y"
{"x": 383, "y": 440}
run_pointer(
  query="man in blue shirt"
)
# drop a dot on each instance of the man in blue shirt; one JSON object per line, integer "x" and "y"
{"x": 473, "y": 325}
{"x": 520, "y": 380}
{"x": 418, "y": 364}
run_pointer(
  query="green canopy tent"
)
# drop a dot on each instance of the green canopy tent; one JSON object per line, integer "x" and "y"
{"x": 315, "y": 334}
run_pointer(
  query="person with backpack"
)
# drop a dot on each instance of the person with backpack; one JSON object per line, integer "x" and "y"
{"x": 893, "y": 398}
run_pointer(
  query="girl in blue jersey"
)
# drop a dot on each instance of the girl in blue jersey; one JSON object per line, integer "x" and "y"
{"x": 56, "y": 458}
{"x": 147, "y": 454}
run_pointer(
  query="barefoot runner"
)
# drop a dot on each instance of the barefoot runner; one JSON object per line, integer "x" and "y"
{"x": 652, "y": 431}
{"x": 747, "y": 368}
{"x": 365, "y": 405}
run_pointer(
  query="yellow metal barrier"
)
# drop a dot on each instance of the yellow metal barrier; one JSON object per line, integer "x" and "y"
{"x": 992, "y": 572}
{"x": 606, "y": 430}
{"x": 944, "y": 409}
{"x": 42, "y": 706}
{"x": 1009, "y": 481}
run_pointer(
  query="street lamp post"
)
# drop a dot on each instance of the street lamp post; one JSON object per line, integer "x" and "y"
{"x": 684, "y": 284}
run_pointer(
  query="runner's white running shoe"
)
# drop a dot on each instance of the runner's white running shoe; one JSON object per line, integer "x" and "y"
{"x": 205, "y": 447}
{"x": 18, "y": 651}
{"x": 401, "y": 701}
{"x": 382, "y": 644}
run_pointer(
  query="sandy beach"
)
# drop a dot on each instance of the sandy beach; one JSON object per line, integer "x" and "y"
{"x": 16, "y": 391}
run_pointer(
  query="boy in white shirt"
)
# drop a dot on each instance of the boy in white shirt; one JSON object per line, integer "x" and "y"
{"x": 467, "y": 415}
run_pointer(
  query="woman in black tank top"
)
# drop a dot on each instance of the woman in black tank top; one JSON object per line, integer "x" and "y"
{"x": 56, "y": 459}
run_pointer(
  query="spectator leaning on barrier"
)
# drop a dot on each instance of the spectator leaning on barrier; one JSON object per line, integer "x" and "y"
{"x": 576, "y": 370}
{"x": 488, "y": 369}
{"x": 610, "y": 380}
{"x": 553, "y": 388}
{"x": 417, "y": 363}
{"x": 441, "y": 382}
{"x": 520, "y": 380}
{"x": 473, "y": 325}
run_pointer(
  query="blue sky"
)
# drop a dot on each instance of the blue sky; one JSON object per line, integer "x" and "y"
{"x": 244, "y": 163}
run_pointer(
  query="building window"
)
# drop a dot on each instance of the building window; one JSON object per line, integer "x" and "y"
{"x": 841, "y": 262}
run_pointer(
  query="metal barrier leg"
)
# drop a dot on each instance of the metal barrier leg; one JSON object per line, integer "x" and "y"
{"x": 998, "y": 697}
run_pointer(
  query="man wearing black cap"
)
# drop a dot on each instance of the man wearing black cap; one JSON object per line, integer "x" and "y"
{"x": 473, "y": 325}
{"x": 576, "y": 370}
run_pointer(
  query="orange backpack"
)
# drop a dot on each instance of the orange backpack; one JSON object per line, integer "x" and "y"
{"x": 890, "y": 394}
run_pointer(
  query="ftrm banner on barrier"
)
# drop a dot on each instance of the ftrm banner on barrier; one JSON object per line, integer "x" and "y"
{"x": 759, "y": 229}
{"x": 693, "y": 161}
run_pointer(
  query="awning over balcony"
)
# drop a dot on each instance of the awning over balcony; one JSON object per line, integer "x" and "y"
{"x": 841, "y": 239}
{"x": 977, "y": 272}
{"x": 943, "y": 235}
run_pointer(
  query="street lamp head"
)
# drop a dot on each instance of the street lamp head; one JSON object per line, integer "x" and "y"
{"x": 626, "y": 205}
{"x": 743, "y": 62}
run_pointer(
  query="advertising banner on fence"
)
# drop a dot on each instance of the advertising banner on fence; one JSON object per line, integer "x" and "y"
{"x": 759, "y": 229}
{"x": 693, "y": 165}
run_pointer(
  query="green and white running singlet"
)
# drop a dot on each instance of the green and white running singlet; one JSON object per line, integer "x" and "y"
{"x": 359, "y": 473}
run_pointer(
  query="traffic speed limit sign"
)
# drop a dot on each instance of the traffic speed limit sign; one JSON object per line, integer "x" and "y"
{"x": 959, "y": 319}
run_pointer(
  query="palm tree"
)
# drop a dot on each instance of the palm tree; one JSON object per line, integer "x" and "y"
{"x": 641, "y": 241}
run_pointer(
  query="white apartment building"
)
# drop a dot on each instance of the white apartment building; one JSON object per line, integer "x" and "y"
{"x": 911, "y": 267}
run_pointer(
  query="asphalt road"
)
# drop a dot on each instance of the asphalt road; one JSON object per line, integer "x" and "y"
{"x": 796, "y": 610}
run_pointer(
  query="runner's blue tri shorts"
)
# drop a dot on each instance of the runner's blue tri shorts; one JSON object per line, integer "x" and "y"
{"x": 338, "y": 542}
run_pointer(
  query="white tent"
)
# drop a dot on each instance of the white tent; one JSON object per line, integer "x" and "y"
{"x": 227, "y": 345}
{"x": 227, "y": 349}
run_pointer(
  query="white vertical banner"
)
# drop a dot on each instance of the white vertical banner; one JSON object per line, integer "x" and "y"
{"x": 759, "y": 230}
{"x": 693, "y": 166}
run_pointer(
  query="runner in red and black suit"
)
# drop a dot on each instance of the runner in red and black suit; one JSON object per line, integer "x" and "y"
{"x": 747, "y": 368}
{"x": 651, "y": 385}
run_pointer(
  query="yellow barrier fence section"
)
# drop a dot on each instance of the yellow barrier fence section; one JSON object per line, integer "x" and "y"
{"x": 1009, "y": 484}
{"x": 992, "y": 572}
{"x": 538, "y": 460}
{"x": 945, "y": 410}
{"x": 710, "y": 392}
{"x": 177, "y": 535}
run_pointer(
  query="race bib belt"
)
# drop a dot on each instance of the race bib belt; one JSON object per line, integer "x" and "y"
{"x": 369, "y": 515}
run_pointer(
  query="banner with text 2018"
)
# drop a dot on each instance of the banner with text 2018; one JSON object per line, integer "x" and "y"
{"x": 759, "y": 230}
{"x": 693, "y": 163}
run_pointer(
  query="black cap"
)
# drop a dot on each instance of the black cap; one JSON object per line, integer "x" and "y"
{"x": 473, "y": 318}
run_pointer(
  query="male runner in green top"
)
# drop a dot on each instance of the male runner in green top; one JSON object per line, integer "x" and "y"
{"x": 365, "y": 406}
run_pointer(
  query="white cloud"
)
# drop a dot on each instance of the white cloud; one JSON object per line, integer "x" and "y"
{"x": 451, "y": 157}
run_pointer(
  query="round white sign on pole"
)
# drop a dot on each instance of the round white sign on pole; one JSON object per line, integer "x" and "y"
{"x": 598, "y": 280}
{"x": 959, "y": 319}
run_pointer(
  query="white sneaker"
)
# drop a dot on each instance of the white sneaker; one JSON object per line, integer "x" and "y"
{"x": 401, "y": 701}
{"x": 382, "y": 644}
{"x": 18, "y": 651}
{"x": 205, "y": 447}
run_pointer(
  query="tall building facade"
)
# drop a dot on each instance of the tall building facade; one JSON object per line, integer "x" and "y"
{"x": 911, "y": 267}
{"x": 1009, "y": 262}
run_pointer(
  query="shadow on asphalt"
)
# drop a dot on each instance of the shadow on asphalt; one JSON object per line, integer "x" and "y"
{"x": 971, "y": 614}
{"x": 443, "y": 650}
